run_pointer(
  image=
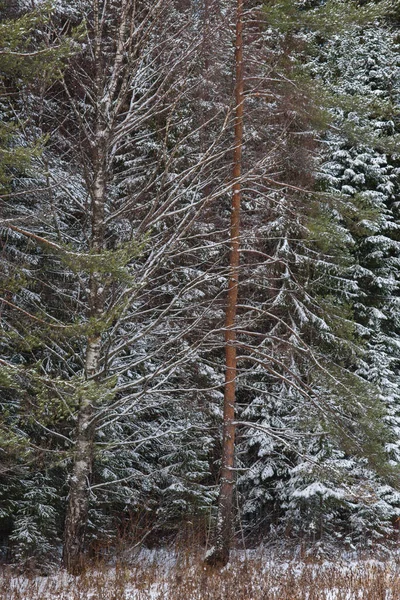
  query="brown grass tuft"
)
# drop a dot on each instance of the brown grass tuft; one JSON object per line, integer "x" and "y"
{"x": 164, "y": 576}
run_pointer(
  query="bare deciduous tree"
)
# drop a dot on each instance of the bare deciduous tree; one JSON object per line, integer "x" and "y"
{"x": 118, "y": 216}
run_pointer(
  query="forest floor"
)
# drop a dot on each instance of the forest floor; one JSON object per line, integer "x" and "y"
{"x": 165, "y": 576}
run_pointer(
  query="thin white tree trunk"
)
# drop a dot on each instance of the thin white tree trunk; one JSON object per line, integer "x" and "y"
{"x": 78, "y": 503}
{"x": 78, "y": 499}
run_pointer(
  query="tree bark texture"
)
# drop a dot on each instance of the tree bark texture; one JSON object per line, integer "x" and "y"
{"x": 219, "y": 555}
{"x": 78, "y": 502}
{"x": 78, "y": 498}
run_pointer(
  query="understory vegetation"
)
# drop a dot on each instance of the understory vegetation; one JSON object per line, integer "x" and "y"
{"x": 176, "y": 577}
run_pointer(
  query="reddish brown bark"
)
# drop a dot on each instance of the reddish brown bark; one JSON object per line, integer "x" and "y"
{"x": 219, "y": 554}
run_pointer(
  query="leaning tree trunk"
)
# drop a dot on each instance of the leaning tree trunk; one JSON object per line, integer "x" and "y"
{"x": 219, "y": 554}
{"x": 78, "y": 497}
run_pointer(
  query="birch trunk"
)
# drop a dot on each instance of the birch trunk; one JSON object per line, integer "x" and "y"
{"x": 78, "y": 498}
{"x": 78, "y": 501}
{"x": 219, "y": 555}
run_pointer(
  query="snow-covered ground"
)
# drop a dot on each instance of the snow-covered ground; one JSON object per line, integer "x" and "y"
{"x": 165, "y": 575}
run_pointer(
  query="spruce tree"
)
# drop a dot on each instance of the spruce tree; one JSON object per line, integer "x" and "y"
{"x": 315, "y": 304}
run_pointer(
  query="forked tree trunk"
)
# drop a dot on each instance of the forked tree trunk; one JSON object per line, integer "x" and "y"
{"x": 218, "y": 556}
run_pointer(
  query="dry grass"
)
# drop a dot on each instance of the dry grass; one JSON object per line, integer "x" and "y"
{"x": 168, "y": 577}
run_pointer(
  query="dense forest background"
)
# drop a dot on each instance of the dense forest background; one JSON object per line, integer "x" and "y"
{"x": 117, "y": 138}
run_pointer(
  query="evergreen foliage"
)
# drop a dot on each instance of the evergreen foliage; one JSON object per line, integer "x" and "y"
{"x": 115, "y": 160}
{"x": 286, "y": 484}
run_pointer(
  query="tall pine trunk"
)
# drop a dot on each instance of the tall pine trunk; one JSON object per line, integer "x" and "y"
{"x": 219, "y": 555}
